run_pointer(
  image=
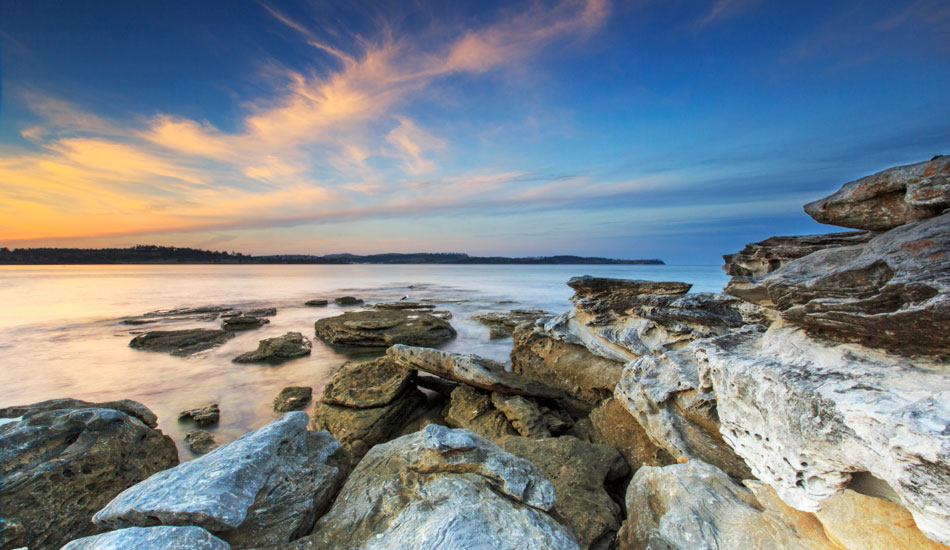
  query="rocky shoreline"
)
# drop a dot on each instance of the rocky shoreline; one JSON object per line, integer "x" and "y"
{"x": 806, "y": 407}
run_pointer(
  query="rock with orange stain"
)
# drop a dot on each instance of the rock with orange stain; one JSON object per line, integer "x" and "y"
{"x": 862, "y": 522}
{"x": 888, "y": 199}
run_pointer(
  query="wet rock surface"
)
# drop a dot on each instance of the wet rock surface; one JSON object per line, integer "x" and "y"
{"x": 503, "y": 323}
{"x": 263, "y": 489}
{"x": 440, "y": 489}
{"x": 181, "y": 343}
{"x": 888, "y": 199}
{"x": 318, "y": 302}
{"x": 384, "y": 328}
{"x": 278, "y": 349}
{"x": 243, "y": 322}
{"x": 348, "y": 301}
{"x": 404, "y": 304}
{"x": 368, "y": 384}
{"x": 129, "y": 407}
{"x": 151, "y": 538}
{"x": 58, "y": 466}
{"x": 201, "y": 441}
{"x": 202, "y": 416}
{"x": 293, "y": 398}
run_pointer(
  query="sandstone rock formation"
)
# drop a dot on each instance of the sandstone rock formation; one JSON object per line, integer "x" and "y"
{"x": 277, "y": 350}
{"x": 64, "y": 460}
{"x": 612, "y": 424}
{"x": 440, "y": 489}
{"x": 384, "y": 328}
{"x": 263, "y": 489}
{"x": 889, "y": 198}
{"x": 524, "y": 415}
{"x": 893, "y": 291}
{"x": 293, "y": 398}
{"x": 695, "y": 506}
{"x": 472, "y": 410}
{"x": 367, "y": 403}
{"x": 578, "y": 471}
{"x": 469, "y": 369}
{"x": 181, "y": 343}
{"x": 806, "y": 416}
{"x": 503, "y": 323}
{"x": 151, "y": 538}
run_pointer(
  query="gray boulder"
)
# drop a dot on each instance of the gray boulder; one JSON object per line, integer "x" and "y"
{"x": 889, "y": 198}
{"x": 59, "y": 465}
{"x": 265, "y": 488}
{"x": 384, "y": 328}
{"x": 181, "y": 343}
{"x": 441, "y": 489}
{"x": 151, "y": 538}
{"x": 277, "y": 350}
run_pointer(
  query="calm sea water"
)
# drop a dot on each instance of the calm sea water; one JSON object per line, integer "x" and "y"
{"x": 60, "y": 331}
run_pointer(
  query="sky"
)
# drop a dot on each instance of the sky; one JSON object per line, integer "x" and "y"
{"x": 668, "y": 129}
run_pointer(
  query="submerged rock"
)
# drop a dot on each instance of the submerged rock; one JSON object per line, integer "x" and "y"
{"x": 319, "y": 302}
{"x": 695, "y": 506}
{"x": 277, "y": 350}
{"x": 893, "y": 291}
{"x": 202, "y": 416}
{"x": 162, "y": 537}
{"x": 403, "y": 304}
{"x": 201, "y": 441}
{"x": 384, "y": 328}
{"x": 806, "y": 416}
{"x": 441, "y": 489}
{"x": 58, "y": 466}
{"x": 181, "y": 343}
{"x": 263, "y": 489}
{"x": 347, "y": 301}
{"x": 243, "y": 322}
{"x": 502, "y": 323}
{"x": 578, "y": 471}
{"x": 293, "y": 398}
{"x": 888, "y": 199}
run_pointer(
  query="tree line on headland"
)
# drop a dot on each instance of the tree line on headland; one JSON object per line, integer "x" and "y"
{"x": 150, "y": 254}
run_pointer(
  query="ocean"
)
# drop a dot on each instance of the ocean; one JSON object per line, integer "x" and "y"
{"x": 61, "y": 333}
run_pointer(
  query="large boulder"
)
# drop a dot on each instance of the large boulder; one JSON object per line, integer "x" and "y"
{"x": 384, "y": 328}
{"x": 277, "y": 350}
{"x": 181, "y": 343}
{"x": 579, "y": 472}
{"x": 470, "y": 369}
{"x": 266, "y": 488}
{"x": 162, "y": 537}
{"x": 809, "y": 416}
{"x": 442, "y": 489}
{"x": 366, "y": 403}
{"x": 63, "y": 460}
{"x": 696, "y": 506}
{"x": 888, "y": 199}
{"x": 893, "y": 291}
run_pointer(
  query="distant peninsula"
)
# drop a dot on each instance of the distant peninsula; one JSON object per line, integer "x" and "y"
{"x": 149, "y": 254}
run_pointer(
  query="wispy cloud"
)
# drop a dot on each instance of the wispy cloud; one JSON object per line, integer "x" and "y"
{"x": 722, "y": 10}
{"x": 319, "y": 146}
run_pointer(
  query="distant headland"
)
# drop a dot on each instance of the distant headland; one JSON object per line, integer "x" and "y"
{"x": 149, "y": 254}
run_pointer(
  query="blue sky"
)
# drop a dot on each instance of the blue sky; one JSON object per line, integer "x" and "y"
{"x": 679, "y": 130}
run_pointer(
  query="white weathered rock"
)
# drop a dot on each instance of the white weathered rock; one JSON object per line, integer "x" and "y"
{"x": 805, "y": 415}
{"x": 696, "y": 506}
{"x": 163, "y": 537}
{"x": 264, "y": 485}
{"x": 442, "y": 489}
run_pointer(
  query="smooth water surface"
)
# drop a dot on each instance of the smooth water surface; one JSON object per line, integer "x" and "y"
{"x": 60, "y": 331}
